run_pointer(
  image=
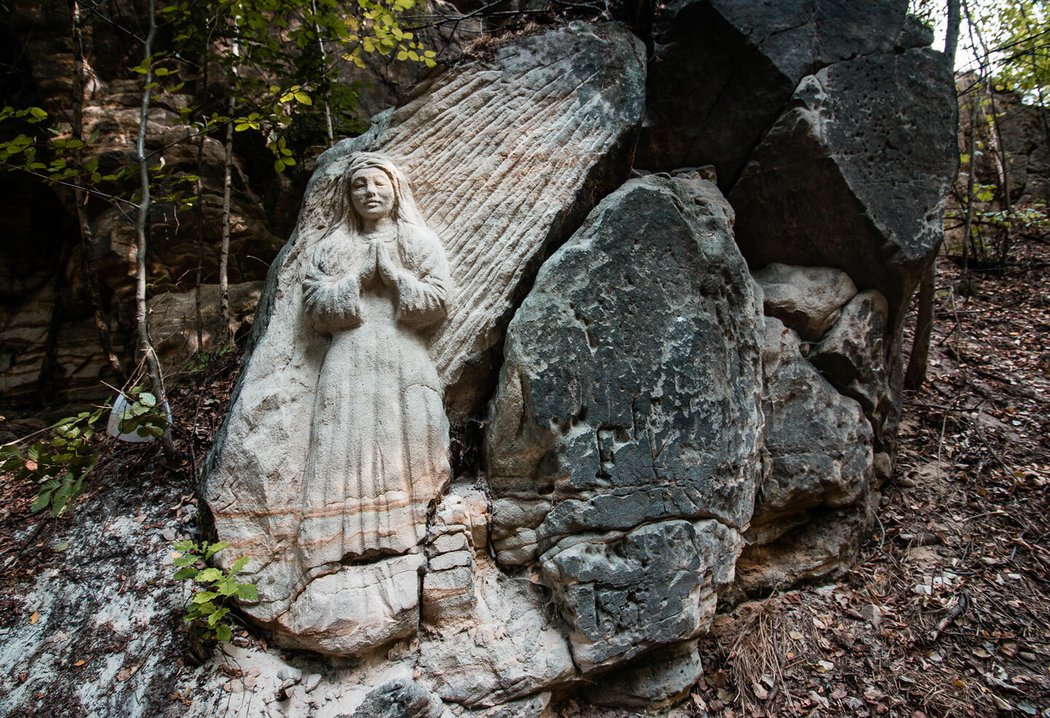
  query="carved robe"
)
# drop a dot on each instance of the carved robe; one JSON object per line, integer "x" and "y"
{"x": 379, "y": 433}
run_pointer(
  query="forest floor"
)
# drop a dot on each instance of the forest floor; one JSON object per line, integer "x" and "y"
{"x": 946, "y": 613}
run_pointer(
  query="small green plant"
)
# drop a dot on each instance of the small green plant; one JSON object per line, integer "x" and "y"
{"x": 58, "y": 462}
{"x": 142, "y": 415}
{"x": 214, "y": 588}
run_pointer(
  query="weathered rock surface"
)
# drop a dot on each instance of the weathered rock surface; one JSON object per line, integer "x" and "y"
{"x": 852, "y": 356}
{"x": 823, "y": 547}
{"x": 400, "y": 699}
{"x": 601, "y": 465}
{"x": 872, "y": 139}
{"x": 385, "y": 600}
{"x": 806, "y": 299}
{"x": 662, "y": 677}
{"x": 819, "y": 446}
{"x": 623, "y": 594}
{"x": 724, "y": 69}
{"x": 634, "y": 427}
{"x": 508, "y": 649}
{"x": 550, "y": 120}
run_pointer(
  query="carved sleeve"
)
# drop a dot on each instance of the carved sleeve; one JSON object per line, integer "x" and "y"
{"x": 424, "y": 288}
{"x": 331, "y": 294}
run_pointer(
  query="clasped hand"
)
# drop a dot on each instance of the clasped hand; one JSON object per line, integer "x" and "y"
{"x": 379, "y": 263}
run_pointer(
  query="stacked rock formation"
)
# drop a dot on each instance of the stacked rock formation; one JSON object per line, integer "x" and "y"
{"x": 695, "y": 371}
{"x": 673, "y": 341}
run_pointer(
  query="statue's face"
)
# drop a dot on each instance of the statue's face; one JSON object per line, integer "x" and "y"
{"x": 372, "y": 194}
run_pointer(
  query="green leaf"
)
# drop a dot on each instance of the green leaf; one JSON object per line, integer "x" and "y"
{"x": 214, "y": 548}
{"x": 223, "y": 633}
{"x": 202, "y": 597}
{"x": 239, "y": 565}
{"x": 217, "y": 616}
{"x": 185, "y": 572}
{"x": 209, "y": 575}
{"x": 147, "y": 399}
{"x": 41, "y": 501}
{"x": 247, "y": 592}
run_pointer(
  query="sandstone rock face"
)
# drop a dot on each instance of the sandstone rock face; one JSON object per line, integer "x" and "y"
{"x": 175, "y": 336}
{"x": 601, "y": 463}
{"x": 549, "y": 121}
{"x": 868, "y": 138}
{"x": 385, "y": 597}
{"x": 509, "y": 648}
{"x": 819, "y": 446}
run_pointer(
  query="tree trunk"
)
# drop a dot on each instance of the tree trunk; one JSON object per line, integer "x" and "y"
{"x": 224, "y": 250}
{"x": 920, "y": 348}
{"x": 324, "y": 80}
{"x": 149, "y": 355}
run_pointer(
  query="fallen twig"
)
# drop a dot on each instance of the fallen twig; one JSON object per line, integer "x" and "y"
{"x": 957, "y": 608}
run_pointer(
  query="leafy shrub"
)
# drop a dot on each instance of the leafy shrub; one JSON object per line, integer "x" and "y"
{"x": 60, "y": 461}
{"x": 215, "y": 588}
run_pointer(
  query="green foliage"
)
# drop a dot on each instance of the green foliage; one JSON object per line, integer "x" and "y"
{"x": 64, "y": 454}
{"x": 1020, "y": 41}
{"x": 302, "y": 43}
{"x": 214, "y": 589}
{"x": 142, "y": 415}
{"x": 57, "y": 463}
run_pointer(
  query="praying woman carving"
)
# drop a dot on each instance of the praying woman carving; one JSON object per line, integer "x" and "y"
{"x": 376, "y": 283}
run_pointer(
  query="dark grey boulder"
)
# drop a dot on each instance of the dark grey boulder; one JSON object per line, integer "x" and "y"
{"x": 400, "y": 699}
{"x": 623, "y": 444}
{"x": 819, "y": 448}
{"x": 852, "y": 356}
{"x": 659, "y": 678}
{"x": 854, "y": 173}
{"x": 622, "y": 595}
{"x": 630, "y": 391}
{"x": 723, "y": 70}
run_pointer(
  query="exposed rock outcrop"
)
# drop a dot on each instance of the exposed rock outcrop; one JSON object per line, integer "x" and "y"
{"x": 599, "y": 463}
{"x": 724, "y": 69}
{"x": 818, "y": 442}
{"x": 653, "y": 443}
{"x": 868, "y": 137}
{"x": 550, "y": 121}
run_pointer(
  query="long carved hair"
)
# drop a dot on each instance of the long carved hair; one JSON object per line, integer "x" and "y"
{"x": 337, "y": 245}
{"x": 405, "y": 209}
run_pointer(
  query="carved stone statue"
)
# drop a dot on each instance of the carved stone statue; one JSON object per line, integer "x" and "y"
{"x": 376, "y": 283}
